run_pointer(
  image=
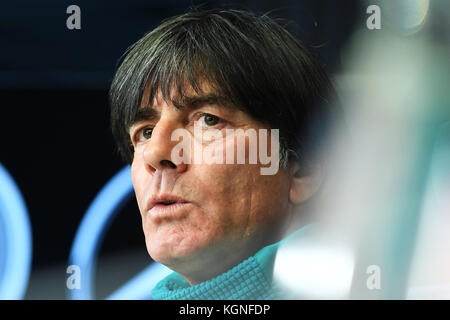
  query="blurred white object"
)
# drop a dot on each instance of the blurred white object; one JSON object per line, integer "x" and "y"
{"x": 314, "y": 267}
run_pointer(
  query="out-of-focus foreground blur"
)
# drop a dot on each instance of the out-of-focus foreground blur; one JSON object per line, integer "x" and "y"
{"x": 386, "y": 208}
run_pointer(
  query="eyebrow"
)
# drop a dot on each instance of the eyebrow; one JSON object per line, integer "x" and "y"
{"x": 198, "y": 101}
{"x": 148, "y": 113}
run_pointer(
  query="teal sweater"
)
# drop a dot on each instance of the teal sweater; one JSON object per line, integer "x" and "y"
{"x": 249, "y": 280}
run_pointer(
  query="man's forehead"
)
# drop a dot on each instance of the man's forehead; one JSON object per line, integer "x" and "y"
{"x": 184, "y": 97}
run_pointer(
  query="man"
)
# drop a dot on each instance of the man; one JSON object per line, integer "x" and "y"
{"x": 217, "y": 224}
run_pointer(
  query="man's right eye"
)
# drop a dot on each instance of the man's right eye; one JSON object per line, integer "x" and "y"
{"x": 142, "y": 135}
{"x": 147, "y": 133}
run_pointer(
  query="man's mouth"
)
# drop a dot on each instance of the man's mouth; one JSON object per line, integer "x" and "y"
{"x": 168, "y": 202}
{"x": 167, "y": 207}
{"x": 164, "y": 200}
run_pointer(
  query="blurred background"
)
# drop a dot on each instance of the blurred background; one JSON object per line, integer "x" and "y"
{"x": 54, "y": 121}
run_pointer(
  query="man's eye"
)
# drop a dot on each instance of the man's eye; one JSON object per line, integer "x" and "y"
{"x": 147, "y": 133}
{"x": 210, "y": 120}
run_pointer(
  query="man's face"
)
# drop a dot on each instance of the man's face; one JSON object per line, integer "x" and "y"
{"x": 223, "y": 212}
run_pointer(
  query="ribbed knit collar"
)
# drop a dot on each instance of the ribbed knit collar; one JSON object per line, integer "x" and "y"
{"x": 247, "y": 280}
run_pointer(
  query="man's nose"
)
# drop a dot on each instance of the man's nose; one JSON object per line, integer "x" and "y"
{"x": 158, "y": 150}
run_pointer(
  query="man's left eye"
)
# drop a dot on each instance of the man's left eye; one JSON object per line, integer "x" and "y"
{"x": 210, "y": 120}
{"x": 147, "y": 133}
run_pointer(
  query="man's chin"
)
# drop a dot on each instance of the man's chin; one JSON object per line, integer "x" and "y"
{"x": 174, "y": 256}
{"x": 177, "y": 248}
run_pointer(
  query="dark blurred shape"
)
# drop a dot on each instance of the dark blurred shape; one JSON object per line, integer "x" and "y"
{"x": 39, "y": 51}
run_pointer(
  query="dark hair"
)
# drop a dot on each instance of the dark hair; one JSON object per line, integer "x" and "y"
{"x": 252, "y": 60}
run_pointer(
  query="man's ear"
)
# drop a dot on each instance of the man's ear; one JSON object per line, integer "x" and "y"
{"x": 304, "y": 183}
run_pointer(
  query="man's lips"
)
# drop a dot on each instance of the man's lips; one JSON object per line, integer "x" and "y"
{"x": 164, "y": 201}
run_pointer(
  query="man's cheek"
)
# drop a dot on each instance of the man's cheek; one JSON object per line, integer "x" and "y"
{"x": 139, "y": 186}
{"x": 140, "y": 199}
